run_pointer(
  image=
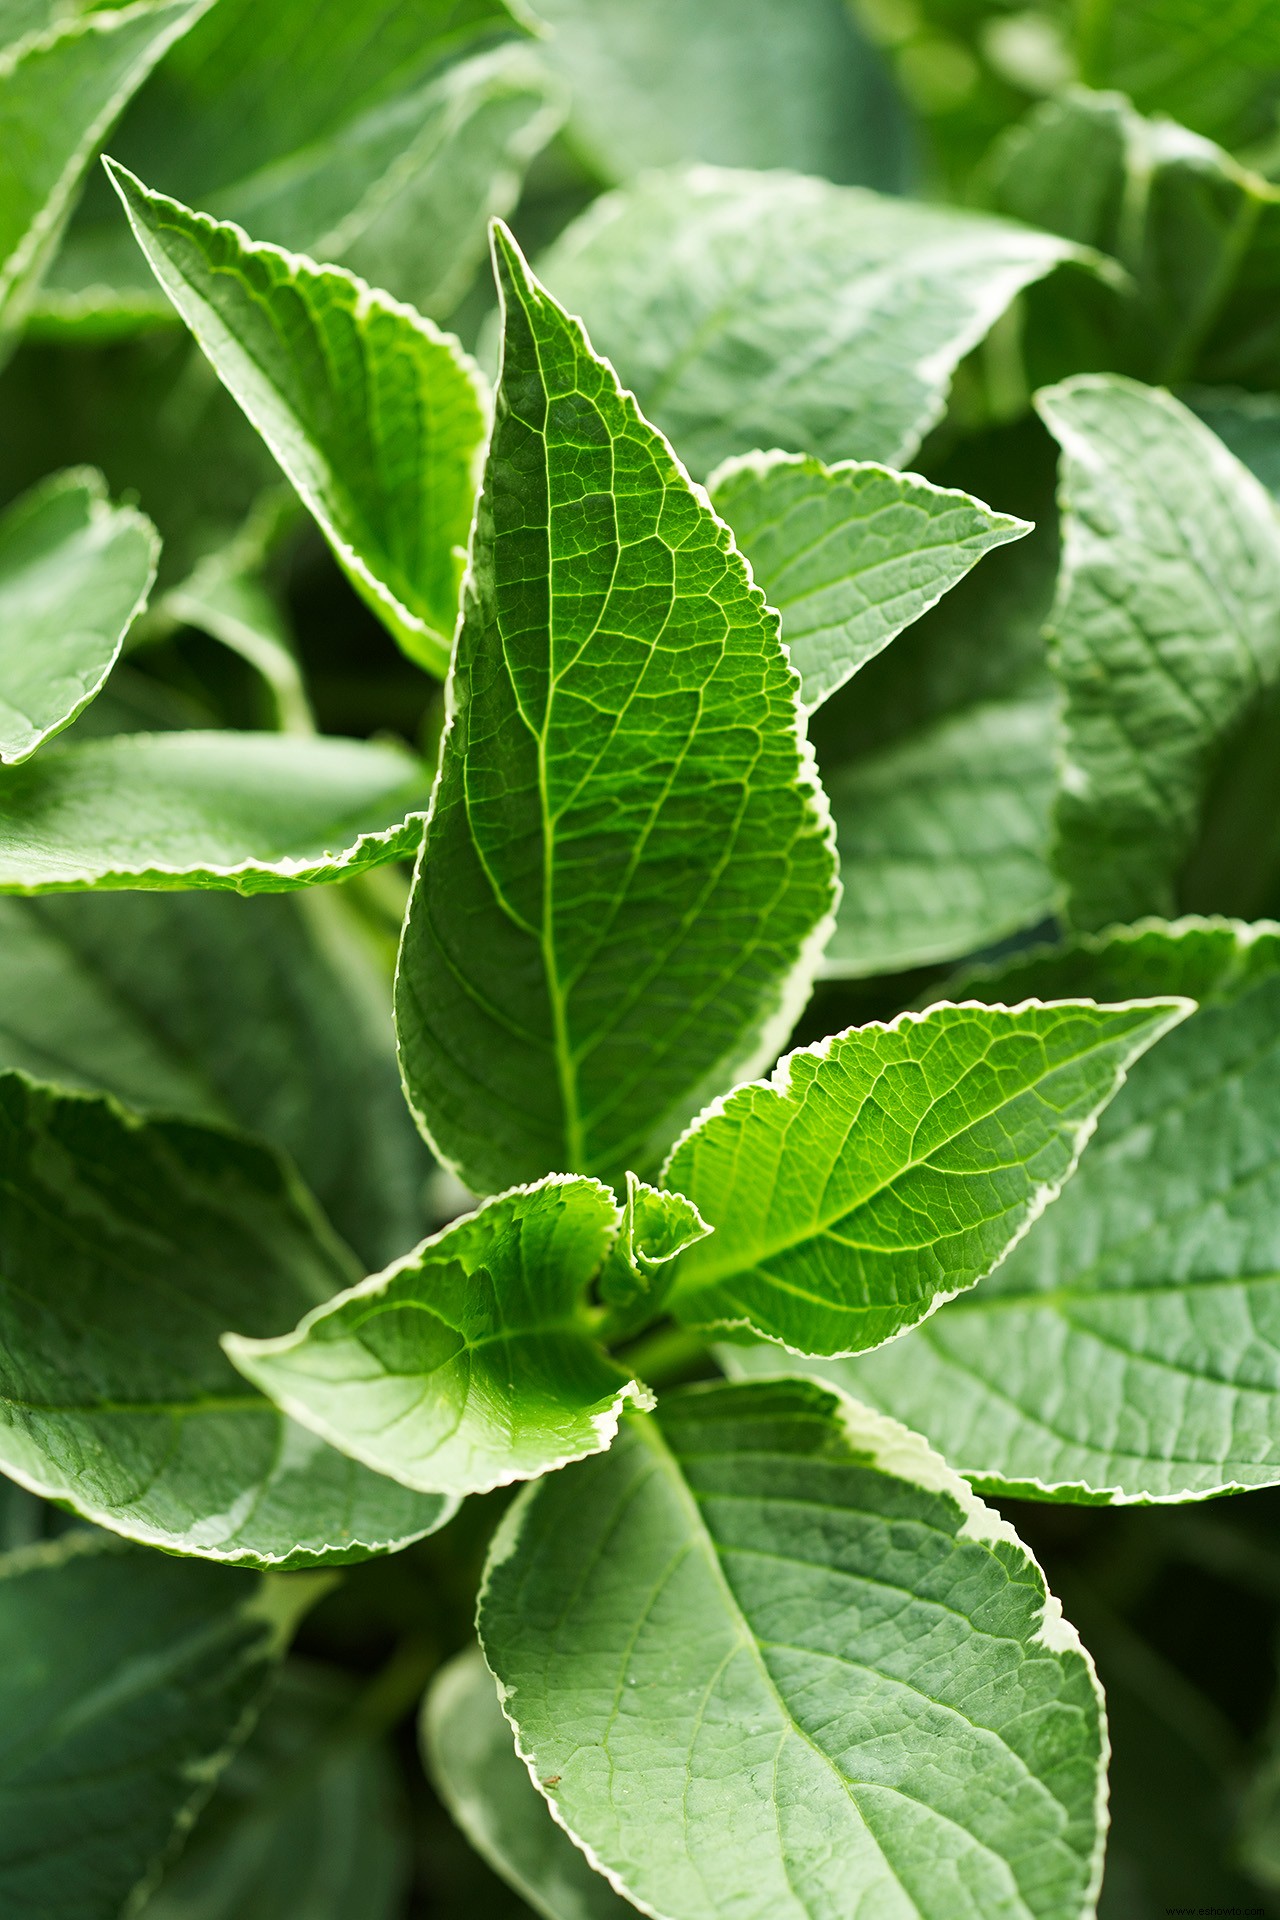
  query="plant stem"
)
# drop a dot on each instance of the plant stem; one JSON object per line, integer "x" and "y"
{"x": 667, "y": 1356}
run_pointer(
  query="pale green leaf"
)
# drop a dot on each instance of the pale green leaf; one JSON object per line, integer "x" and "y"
{"x": 131, "y": 1680}
{"x": 944, "y": 838}
{"x": 628, "y": 871}
{"x": 259, "y": 812}
{"x": 473, "y": 1361}
{"x": 764, "y": 310}
{"x": 656, "y": 1226}
{"x": 1129, "y": 1348}
{"x": 61, "y": 91}
{"x": 264, "y": 1014}
{"x": 1249, "y": 423}
{"x": 849, "y": 555}
{"x": 890, "y": 1167}
{"x": 376, "y": 417}
{"x": 126, "y": 1248}
{"x": 481, "y": 1779}
{"x": 308, "y": 1819}
{"x": 74, "y": 574}
{"x": 769, "y": 1659}
{"x": 1214, "y": 69}
{"x": 740, "y": 82}
{"x": 1165, "y": 630}
{"x": 351, "y": 131}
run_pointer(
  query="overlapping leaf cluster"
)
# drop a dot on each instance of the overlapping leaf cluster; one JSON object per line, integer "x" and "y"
{"x": 834, "y": 1000}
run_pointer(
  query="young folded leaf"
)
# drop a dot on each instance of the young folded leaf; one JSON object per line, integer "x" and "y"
{"x": 481, "y": 1779}
{"x": 769, "y": 1659}
{"x": 767, "y": 310}
{"x": 851, "y": 554}
{"x": 656, "y": 1227}
{"x": 126, "y": 1247}
{"x": 1129, "y": 1348}
{"x": 136, "y": 1680}
{"x": 473, "y": 1361}
{"x": 61, "y": 91}
{"x": 628, "y": 871}
{"x": 886, "y": 1169}
{"x": 75, "y": 573}
{"x": 1165, "y": 630}
{"x": 259, "y": 812}
{"x": 376, "y": 417}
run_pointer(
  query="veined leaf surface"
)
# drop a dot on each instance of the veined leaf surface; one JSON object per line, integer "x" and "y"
{"x": 1165, "y": 630}
{"x": 888, "y": 1168}
{"x": 136, "y": 1677}
{"x": 769, "y": 310}
{"x": 127, "y": 1247}
{"x": 259, "y": 812}
{"x": 769, "y": 1659}
{"x": 470, "y": 1363}
{"x": 376, "y": 417}
{"x": 628, "y": 871}
{"x": 486, "y": 1787}
{"x": 1129, "y": 1348}
{"x": 849, "y": 555}
{"x": 74, "y": 574}
{"x": 62, "y": 90}
{"x": 265, "y": 1015}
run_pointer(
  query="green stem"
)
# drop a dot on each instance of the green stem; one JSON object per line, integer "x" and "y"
{"x": 668, "y": 1356}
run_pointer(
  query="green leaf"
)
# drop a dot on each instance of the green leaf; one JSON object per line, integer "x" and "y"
{"x": 479, "y": 1776}
{"x": 656, "y": 1227}
{"x": 131, "y": 1680}
{"x": 351, "y": 132}
{"x": 944, "y": 838}
{"x": 628, "y": 870}
{"x": 376, "y": 417}
{"x": 743, "y": 84}
{"x": 1165, "y": 630}
{"x": 1182, "y": 57}
{"x": 308, "y": 1819}
{"x": 259, "y": 812}
{"x": 890, "y": 1167}
{"x": 761, "y": 310}
{"x": 1249, "y": 423}
{"x": 74, "y": 574}
{"x": 473, "y": 1361}
{"x": 62, "y": 90}
{"x": 126, "y": 1248}
{"x": 1129, "y": 1348}
{"x": 265, "y": 1014}
{"x": 849, "y": 555}
{"x": 770, "y": 1656}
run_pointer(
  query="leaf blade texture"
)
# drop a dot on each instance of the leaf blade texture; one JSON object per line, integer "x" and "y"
{"x": 74, "y": 574}
{"x": 114, "y": 1736}
{"x": 256, "y": 812}
{"x": 1164, "y": 633}
{"x": 1127, "y": 1349}
{"x": 849, "y": 555}
{"x": 127, "y": 1248}
{"x": 754, "y": 310}
{"x": 376, "y": 416}
{"x": 621, "y": 716}
{"x": 785, "y": 1682}
{"x": 471, "y": 1362}
{"x": 889, "y": 1167}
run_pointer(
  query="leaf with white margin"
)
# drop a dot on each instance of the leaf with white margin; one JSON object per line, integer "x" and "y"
{"x": 75, "y": 573}
{"x": 132, "y": 1681}
{"x": 769, "y": 310}
{"x": 480, "y": 1777}
{"x": 656, "y": 1227}
{"x": 1129, "y": 1348}
{"x": 126, "y": 1247}
{"x": 259, "y": 812}
{"x": 889, "y": 1167}
{"x": 851, "y": 554}
{"x": 628, "y": 872}
{"x": 1165, "y": 630}
{"x": 61, "y": 90}
{"x": 473, "y": 1361}
{"x": 770, "y": 1659}
{"x": 376, "y": 416}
